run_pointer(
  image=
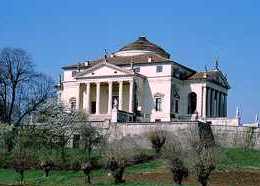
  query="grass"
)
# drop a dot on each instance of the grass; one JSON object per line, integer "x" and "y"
{"x": 71, "y": 178}
{"x": 235, "y": 158}
{"x": 232, "y": 159}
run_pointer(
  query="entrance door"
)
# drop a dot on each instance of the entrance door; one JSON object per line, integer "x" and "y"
{"x": 93, "y": 107}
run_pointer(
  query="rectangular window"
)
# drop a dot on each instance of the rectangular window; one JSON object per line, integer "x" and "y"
{"x": 176, "y": 106}
{"x": 73, "y": 73}
{"x": 159, "y": 68}
{"x": 158, "y": 104}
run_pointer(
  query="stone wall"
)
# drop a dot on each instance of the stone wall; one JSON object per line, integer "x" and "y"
{"x": 230, "y": 136}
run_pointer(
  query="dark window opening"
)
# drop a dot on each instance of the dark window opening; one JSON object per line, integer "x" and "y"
{"x": 158, "y": 104}
{"x": 157, "y": 120}
{"x": 176, "y": 106}
{"x": 159, "y": 68}
{"x": 74, "y": 73}
{"x": 93, "y": 107}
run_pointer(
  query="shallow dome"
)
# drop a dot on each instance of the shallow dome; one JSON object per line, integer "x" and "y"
{"x": 142, "y": 46}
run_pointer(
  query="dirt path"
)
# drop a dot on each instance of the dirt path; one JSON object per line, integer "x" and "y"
{"x": 231, "y": 178}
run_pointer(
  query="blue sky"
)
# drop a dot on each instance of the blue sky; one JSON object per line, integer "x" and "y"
{"x": 60, "y": 32}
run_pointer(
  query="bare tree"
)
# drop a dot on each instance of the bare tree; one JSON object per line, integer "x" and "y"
{"x": 22, "y": 89}
{"x": 91, "y": 138}
{"x": 117, "y": 155}
{"x": 203, "y": 152}
{"x": 22, "y": 154}
{"x": 173, "y": 152}
{"x": 157, "y": 137}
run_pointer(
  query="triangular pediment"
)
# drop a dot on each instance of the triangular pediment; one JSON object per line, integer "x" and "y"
{"x": 220, "y": 78}
{"x": 104, "y": 70}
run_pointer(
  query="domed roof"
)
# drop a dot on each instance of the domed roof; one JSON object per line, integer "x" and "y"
{"x": 142, "y": 44}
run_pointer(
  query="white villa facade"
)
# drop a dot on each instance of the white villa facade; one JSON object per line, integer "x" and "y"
{"x": 141, "y": 83}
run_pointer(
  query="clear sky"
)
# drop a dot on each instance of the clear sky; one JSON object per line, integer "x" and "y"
{"x": 60, "y": 32}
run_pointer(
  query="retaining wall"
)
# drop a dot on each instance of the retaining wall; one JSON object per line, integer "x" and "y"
{"x": 231, "y": 136}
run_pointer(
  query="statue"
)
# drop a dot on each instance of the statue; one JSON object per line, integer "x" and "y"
{"x": 115, "y": 104}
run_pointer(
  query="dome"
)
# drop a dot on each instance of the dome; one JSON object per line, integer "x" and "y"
{"x": 142, "y": 46}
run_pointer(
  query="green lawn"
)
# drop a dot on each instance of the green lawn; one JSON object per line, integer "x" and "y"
{"x": 71, "y": 178}
{"x": 237, "y": 158}
{"x": 231, "y": 159}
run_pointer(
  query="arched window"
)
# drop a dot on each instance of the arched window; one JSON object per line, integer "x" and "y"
{"x": 72, "y": 102}
{"x": 192, "y": 102}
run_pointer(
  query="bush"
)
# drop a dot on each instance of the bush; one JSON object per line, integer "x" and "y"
{"x": 173, "y": 152}
{"x": 157, "y": 139}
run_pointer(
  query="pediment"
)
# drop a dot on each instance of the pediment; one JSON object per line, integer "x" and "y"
{"x": 103, "y": 70}
{"x": 221, "y": 79}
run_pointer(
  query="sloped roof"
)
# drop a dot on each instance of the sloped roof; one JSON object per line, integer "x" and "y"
{"x": 144, "y": 44}
{"x": 215, "y": 76}
{"x": 123, "y": 60}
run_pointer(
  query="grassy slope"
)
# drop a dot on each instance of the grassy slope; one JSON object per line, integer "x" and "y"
{"x": 232, "y": 158}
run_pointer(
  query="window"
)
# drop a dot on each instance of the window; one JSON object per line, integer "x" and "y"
{"x": 72, "y": 103}
{"x": 176, "y": 106}
{"x": 159, "y": 68}
{"x": 74, "y": 73}
{"x": 158, "y": 104}
{"x": 137, "y": 69}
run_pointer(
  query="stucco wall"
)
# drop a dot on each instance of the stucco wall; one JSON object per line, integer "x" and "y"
{"x": 70, "y": 90}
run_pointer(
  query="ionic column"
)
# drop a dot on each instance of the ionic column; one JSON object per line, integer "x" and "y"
{"x": 212, "y": 103}
{"x": 217, "y": 102}
{"x": 78, "y": 99}
{"x": 225, "y": 105}
{"x": 120, "y": 95}
{"x": 204, "y": 101}
{"x": 87, "y": 98}
{"x": 131, "y": 96}
{"x": 109, "y": 104}
{"x": 98, "y": 98}
{"x": 208, "y": 101}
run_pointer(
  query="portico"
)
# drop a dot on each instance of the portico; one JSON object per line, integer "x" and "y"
{"x": 98, "y": 97}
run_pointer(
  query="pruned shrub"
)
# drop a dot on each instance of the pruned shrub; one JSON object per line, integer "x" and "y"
{"x": 87, "y": 167}
{"x": 117, "y": 155}
{"x": 203, "y": 152}
{"x": 174, "y": 154}
{"x": 47, "y": 166}
{"x": 157, "y": 138}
